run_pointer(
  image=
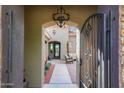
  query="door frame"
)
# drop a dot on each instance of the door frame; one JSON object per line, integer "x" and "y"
{"x": 54, "y": 43}
{"x": 43, "y": 27}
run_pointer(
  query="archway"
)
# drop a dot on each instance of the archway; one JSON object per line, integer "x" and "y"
{"x": 48, "y": 39}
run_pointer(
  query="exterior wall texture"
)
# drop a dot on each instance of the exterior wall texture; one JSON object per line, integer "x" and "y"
{"x": 72, "y": 47}
{"x": 121, "y": 48}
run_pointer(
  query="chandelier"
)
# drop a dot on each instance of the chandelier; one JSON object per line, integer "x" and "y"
{"x": 60, "y": 17}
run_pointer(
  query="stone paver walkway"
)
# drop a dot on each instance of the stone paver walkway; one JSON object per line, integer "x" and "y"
{"x": 72, "y": 71}
{"x": 60, "y": 78}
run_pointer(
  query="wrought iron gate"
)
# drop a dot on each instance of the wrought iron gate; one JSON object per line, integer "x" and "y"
{"x": 92, "y": 45}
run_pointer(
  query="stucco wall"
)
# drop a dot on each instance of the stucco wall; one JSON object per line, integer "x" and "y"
{"x": 35, "y": 17}
{"x": 57, "y": 37}
{"x": 72, "y": 44}
{"x": 16, "y": 74}
{"x": 46, "y": 48}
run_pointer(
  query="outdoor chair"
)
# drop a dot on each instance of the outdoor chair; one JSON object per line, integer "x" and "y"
{"x": 69, "y": 59}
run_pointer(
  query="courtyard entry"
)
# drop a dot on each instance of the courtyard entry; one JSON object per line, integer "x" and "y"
{"x": 52, "y": 59}
{"x": 61, "y": 55}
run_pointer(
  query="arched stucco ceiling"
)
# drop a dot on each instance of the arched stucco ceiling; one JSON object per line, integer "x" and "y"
{"x": 43, "y": 14}
{"x": 52, "y": 23}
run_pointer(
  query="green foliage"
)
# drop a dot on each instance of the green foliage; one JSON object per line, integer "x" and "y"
{"x": 47, "y": 67}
